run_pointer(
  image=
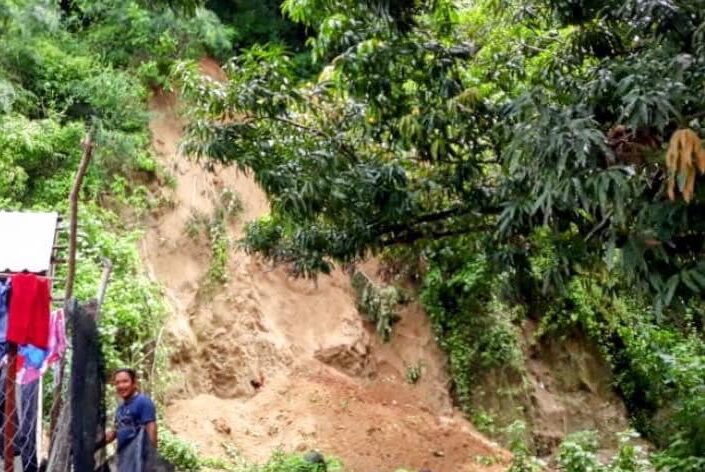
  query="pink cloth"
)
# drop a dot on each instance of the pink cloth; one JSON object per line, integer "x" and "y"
{"x": 56, "y": 349}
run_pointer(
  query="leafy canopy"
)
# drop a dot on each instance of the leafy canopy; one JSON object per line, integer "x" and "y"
{"x": 433, "y": 121}
{"x": 518, "y": 146}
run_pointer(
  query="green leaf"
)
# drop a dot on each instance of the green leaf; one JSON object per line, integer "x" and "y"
{"x": 670, "y": 289}
{"x": 698, "y": 276}
{"x": 689, "y": 281}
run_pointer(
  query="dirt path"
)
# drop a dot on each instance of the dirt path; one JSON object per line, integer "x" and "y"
{"x": 328, "y": 382}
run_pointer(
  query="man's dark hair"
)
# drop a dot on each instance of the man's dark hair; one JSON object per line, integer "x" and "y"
{"x": 130, "y": 372}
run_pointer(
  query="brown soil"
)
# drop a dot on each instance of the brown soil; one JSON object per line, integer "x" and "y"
{"x": 571, "y": 391}
{"x": 266, "y": 361}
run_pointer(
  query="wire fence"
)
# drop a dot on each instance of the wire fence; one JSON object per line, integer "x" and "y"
{"x": 58, "y": 453}
{"x": 21, "y": 438}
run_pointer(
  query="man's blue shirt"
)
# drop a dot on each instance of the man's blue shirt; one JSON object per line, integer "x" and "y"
{"x": 132, "y": 415}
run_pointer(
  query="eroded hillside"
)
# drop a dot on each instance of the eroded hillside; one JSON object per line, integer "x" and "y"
{"x": 265, "y": 361}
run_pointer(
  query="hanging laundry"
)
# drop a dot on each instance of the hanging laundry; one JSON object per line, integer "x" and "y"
{"x": 57, "y": 337}
{"x": 4, "y": 300}
{"x": 34, "y": 362}
{"x": 87, "y": 389}
{"x": 28, "y": 316}
{"x": 32, "y": 357}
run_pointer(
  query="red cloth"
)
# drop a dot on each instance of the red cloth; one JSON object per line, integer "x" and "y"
{"x": 28, "y": 316}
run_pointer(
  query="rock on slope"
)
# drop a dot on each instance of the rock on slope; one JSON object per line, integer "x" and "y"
{"x": 326, "y": 381}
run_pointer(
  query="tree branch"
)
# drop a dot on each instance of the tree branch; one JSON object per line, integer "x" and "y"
{"x": 427, "y": 218}
{"x": 317, "y": 132}
{"x": 599, "y": 226}
{"x": 459, "y": 210}
{"x": 417, "y": 235}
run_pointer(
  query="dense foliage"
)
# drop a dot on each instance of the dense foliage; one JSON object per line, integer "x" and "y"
{"x": 430, "y": 135}
{"x": 520, "y": 148}
{"x": 258, "y": 21}
{"x": 510, "y": 155}
{"x": 63, "y": 74}
{"x": 473, "y": 323}
{"x": 56, "y": 89}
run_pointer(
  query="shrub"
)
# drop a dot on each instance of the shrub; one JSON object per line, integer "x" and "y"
{"x": 378, "y": 304}
{"x": 281, "y": 462}
{"x": 182, "y": 455}
{"x": 155, "y": 37}
{"x": 34, "y": 153}
{"x": 659, "y": 367}
{"x": 116, "y": 98}
{"x": 135, "y": 308}
{"x": 41, "y": 66}
{"x": 522, "y": 461}
{"x": 474, "y": 328}
{"x": 220, "y": 251}
{"x": 578, "y": 451}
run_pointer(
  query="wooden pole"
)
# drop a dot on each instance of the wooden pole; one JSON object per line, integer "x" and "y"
{"x": 87, "y": 145}
{"x": 10, "y": 407}
{"x": 73, "y": 216}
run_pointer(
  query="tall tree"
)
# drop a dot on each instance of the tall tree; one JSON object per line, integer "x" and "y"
{"x": 430, "y": 122}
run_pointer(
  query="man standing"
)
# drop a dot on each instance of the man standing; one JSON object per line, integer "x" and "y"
{"x": 135, "y": 424}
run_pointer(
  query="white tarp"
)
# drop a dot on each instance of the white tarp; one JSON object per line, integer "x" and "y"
{"x": 26, "y": 241}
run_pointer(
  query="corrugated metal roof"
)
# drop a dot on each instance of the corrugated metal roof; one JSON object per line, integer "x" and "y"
{"x": 26, "y": 241}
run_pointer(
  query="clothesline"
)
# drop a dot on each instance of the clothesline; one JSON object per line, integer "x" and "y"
{"x": 56, "y": 300}
{"x": 10, "y": 274}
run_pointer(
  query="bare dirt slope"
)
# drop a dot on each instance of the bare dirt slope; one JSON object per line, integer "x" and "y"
{"x": 328, "y": 383}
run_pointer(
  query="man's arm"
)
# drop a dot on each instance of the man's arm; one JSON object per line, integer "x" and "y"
{"x": 148, "y": 417}
{"x": 105, "y": 440}
{"x": 151, "y": 429}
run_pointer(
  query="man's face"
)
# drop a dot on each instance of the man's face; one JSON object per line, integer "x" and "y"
{"x": 124, "y": 386}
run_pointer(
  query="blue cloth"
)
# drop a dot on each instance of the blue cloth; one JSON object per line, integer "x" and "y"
{"x": 133, "y": 456}
{"x": 4, "y": 303}
{"x": 33, "y": 356}
{"x": 140, "y": 456}
{"x": 131, "y": 417}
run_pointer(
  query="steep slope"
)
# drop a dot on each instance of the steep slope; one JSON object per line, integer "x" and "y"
{"x": 328, "y": 383}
